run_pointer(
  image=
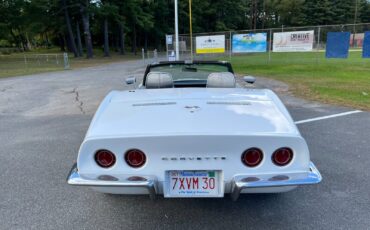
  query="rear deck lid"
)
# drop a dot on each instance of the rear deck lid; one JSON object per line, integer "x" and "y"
{"x": 191, "y": 111}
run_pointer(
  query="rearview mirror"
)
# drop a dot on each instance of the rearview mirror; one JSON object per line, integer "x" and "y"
{"x": 130, "y": 80}
{"x": 249, "y": 79}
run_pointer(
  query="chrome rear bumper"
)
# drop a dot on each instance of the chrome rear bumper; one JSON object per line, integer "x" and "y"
{"x": 74, "y": 178}
{"x": 238, "y": 183}
{"x": 273, "y": 180}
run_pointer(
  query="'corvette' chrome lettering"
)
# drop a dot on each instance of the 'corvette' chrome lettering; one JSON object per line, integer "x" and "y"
{"x": 191, "y": 158}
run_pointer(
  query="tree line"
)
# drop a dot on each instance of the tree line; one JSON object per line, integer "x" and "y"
{"x": 124, "y": 25}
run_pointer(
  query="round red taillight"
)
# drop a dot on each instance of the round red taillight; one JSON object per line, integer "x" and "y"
{"x": 282, "y": 156}
{"x": 252, "y": 157}
{"x": 135, "y": 158}
{"x": 105, "y": 158}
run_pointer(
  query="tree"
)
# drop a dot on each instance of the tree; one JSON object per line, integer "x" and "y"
{"x": 69, "y": 28}
{"x": 143, "y": 23}
{"x": 78, "y": 35}
{"x": 162, "y": 21}
{"x": 318, "y": 12}
{"x": 107, "y": 12}
{"x": 85, "y": 15}
{"x": 364, "y": 11}
{"x": 138, "y": 18}
{"x": 14, "y": 20}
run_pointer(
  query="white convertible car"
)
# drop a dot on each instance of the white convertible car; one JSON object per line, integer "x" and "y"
{"x": 188, "y": 130}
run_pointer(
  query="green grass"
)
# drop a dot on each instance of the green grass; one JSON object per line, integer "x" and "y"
{"x": 312, "y": 76}
{"x": 99, "y": 59}
{"x": 16, "y": 64}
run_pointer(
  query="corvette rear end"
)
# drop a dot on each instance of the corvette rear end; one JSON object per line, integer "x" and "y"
{"x": 193, "y": 142}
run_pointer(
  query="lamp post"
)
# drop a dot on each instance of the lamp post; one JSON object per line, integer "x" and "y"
{"x": 177, "y": 32}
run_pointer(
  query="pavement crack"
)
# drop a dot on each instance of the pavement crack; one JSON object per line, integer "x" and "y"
{"x": 5, "y": 89}
{"x": 78, "y": 101}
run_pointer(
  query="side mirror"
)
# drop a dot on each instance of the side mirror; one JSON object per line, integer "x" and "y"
{"x": 249, "y": 79}
{"x": 131, "y": 80}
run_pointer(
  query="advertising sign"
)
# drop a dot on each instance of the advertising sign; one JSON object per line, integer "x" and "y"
{"x": 249, "y": 43}
{"x": 297, "y": 41}
{"x": 366, "y": 45}
{"x": 337, "y": 44}
{"x": 210, "y": 44}
{"x": 169, "y": 39}
{"x": 356, "y": 40}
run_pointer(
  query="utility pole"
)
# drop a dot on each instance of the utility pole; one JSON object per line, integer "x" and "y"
{"x": 191, "y": 32}
{"x": 177, "y": 32}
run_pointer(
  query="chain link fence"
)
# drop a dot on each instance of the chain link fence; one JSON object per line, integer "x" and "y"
{"x": 23, "y": 63}
{"x": 152, "y": 56}
{"x": 317, "y": 54}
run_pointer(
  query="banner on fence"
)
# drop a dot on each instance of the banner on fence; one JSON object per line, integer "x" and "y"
{"x": 356, "y": 40}
{"x": 210, "y": 44}
{"x": 249, "y": 43}
{"x": 366, "y": 45}
{"x": 337, "y": 44}
{"x": 297, "y": 41}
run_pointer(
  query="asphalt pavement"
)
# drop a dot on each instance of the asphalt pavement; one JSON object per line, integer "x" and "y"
{"x": 44, "y": 117}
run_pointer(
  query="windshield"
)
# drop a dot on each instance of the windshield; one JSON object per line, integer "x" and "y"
{"x": 190, "y": 72}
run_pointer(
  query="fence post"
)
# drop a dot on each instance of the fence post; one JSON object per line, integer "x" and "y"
{"x": 155, "y": 55}
{"x": 66, "y": 61}
{"x": 25, "y": 61}
{"x": 318, "y": 45}
{"x": 166, "y": 48}
{"x": 56, "y": 59}
{"x": 270, "y": 46}
{"x": 318, "y": 38}
{"x": 230, "y": 46}
{"x": 143, "y": 54}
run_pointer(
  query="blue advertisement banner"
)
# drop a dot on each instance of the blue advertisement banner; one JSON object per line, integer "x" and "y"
{"x": 366, "y": 45}
{"x": 249, "y": 43}
{"x": 337, "y": 44}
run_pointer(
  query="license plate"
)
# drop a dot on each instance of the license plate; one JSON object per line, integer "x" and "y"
{"x": 203, "y": 183}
